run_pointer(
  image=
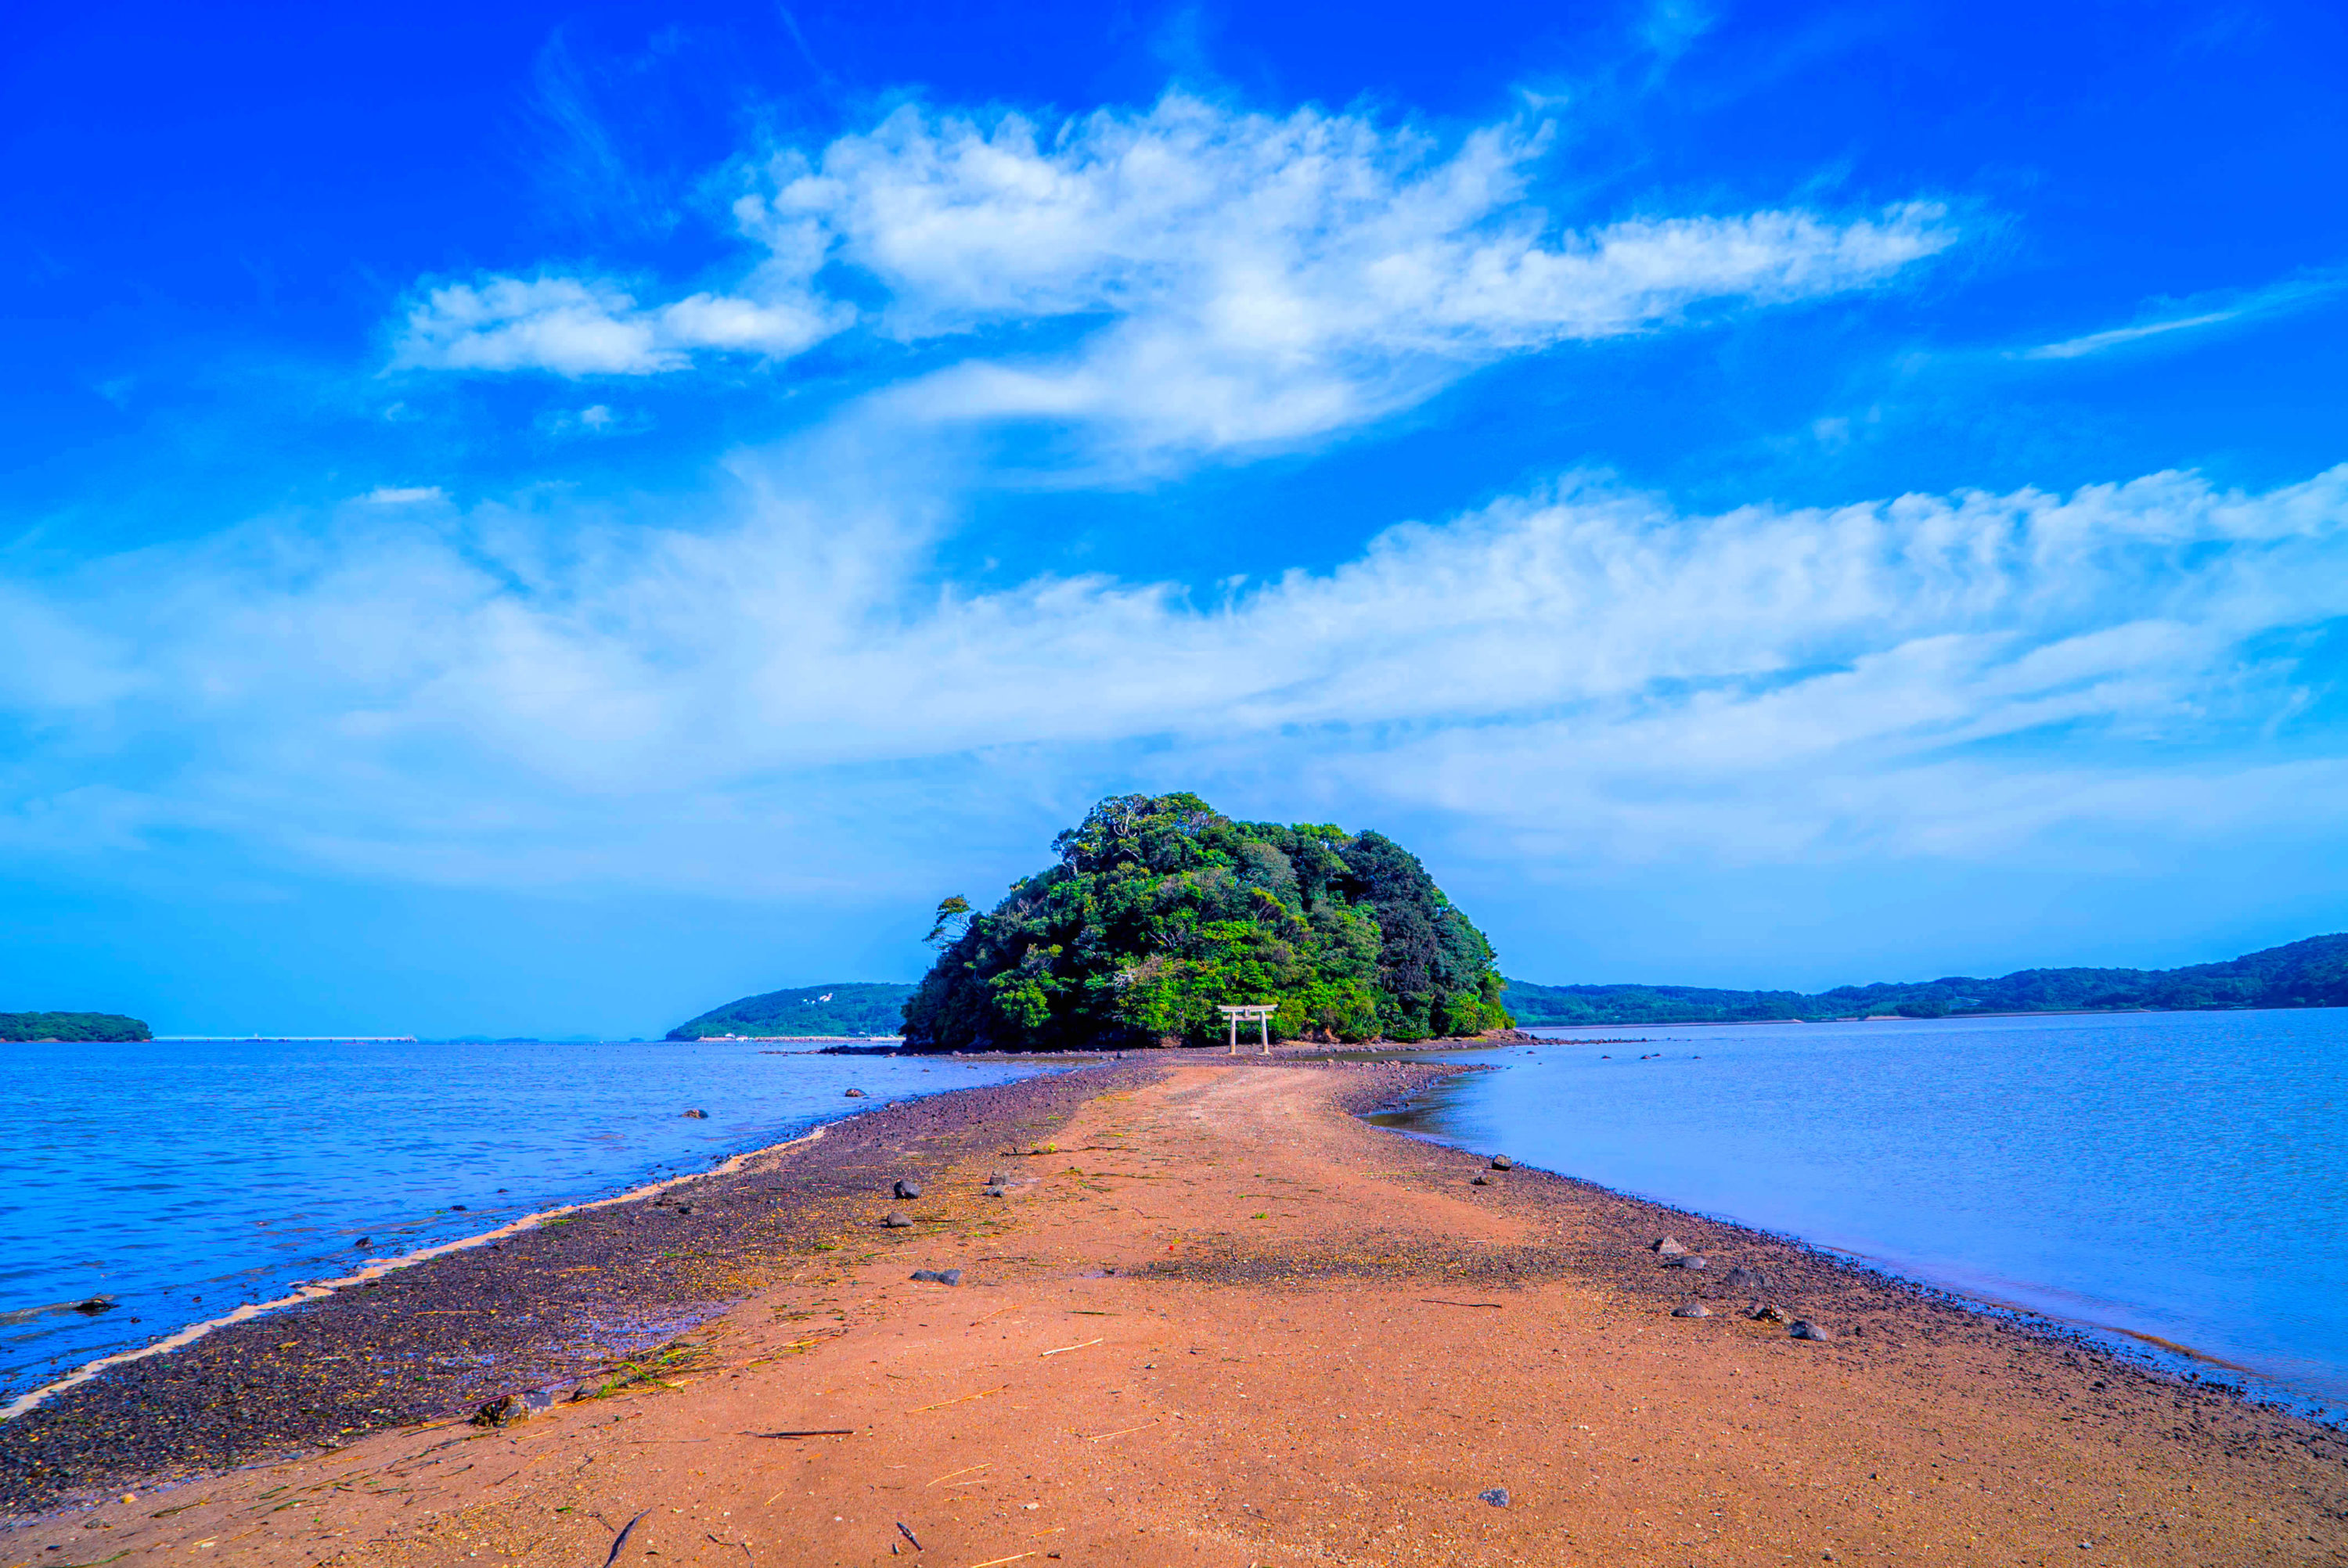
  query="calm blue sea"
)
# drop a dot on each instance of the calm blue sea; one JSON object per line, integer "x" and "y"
{"x": 185, "y": 1178}
{"x": 2183, "y": 1175}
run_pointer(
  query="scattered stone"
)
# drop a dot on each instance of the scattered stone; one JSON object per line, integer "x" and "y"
{"x": 855, "y": 1094}
{"x": 1767, "y": 1314}
{"x": 502, "y": 1411}
{"x": 938, "y": 1275}
{"x": 1806, "y": 1329}
{"x": 905, "y": 1189}
{"x": 1497, "y": 1497}
{"x": 1669, "y": 1246}
{"x": 1747, "y": 1279}
{"x": 538, "y": 1400}
{"x": 94, "y": 1304}
{"x": 1502, "y": 1163}
{"x": 897, "y": 1222}
{"x": 1685, "y": 1260}
{"x": 1480, "y": 1182}
{"x": 993, "y": 1192}
{"x": 1692, "y": 1309}
{"x": 998, "y": 1178}
{"x": 684, "y": 1208}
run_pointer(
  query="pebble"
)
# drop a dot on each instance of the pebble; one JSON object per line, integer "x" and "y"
{"x": 1669, "y": 1246}
{"x": 905, "y": 1189}
{"x": 1497, "y": 1497}
{"x": 998, "y": 1178}
{"x": 938, "y": 1275}
{"x": 993, "y": 1192}
{"x": 1692, "y": 1309}
{"x": 698, "y": 1115}
{"x": 1686, "y": 1260}
{"x": 1806, "y": 1329}
{"x": 1502, "y": 1163}
{"x": 1480, "y": 1182}
{"x": 897, "y": 1222}
{"x": 855, "y": 1094}
{"x": 1767, "y": 1314}
{"x": 1743, "y": 1278}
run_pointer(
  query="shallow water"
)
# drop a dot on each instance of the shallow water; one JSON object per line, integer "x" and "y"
{"x": 2179, "y": 1175}
{"x": 183, "y": 1178}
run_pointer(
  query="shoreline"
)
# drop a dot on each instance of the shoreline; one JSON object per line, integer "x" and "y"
{"x": 1185, "y": 1283}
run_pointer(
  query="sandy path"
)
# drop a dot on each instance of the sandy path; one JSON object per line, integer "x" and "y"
{"x": 1228, "y": 1324}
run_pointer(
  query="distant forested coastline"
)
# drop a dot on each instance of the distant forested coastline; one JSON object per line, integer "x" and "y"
{"x": 860, "y": 1007}
{"x": 2312, "y": 973}
{"x": 71, "y": 1026}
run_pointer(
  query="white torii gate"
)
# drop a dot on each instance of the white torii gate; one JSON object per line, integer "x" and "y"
{"x": 1258, "y": 1016}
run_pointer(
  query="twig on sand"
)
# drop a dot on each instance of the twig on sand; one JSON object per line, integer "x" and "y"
{"x": 906, "y": 1530}
{"x": 811, "y": 1432}
{"x": 743, "y": 1544}
{"x": 1062, "y": 1351}
{"x": 963, "y": 1470}
{"x": 941, "y": 1404}
{"x": 998, "y": 1561}
{"x": 1438, "y": 1301}
{"x": 622, "y": 1539}
{"x": 1103, "y": 1437}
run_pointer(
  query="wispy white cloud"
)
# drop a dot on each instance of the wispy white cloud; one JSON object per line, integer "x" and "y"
{"x": 2198, "y": 315}
{"x": 529, "y": 701}
{"x": 405, "y": 495}
{"x": 576, "y": 328}
{"x": 1230, "y": 279}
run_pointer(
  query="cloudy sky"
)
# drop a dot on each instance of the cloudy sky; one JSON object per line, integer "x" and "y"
{"x": 533, "y": 519}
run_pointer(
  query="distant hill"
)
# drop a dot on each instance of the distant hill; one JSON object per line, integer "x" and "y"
{"x": 858, "y": 1007}
{"x": 2312, "y": 973}
{"x": 71, "y": 1026}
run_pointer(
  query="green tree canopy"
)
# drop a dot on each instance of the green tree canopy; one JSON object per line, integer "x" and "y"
{"x": 1160, "y": 909}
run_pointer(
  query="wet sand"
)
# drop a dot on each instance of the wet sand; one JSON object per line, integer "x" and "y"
{"x": 1224, "y": 1323}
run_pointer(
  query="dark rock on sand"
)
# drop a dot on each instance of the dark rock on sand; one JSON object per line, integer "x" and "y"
{"x": 998, "y": 1178}
{"x": 1742, "y": 1279}
{"x": 1480, "y": 1182}
{"x": 992, "y": 1191}
{"x": 502, "y": 1411}
{"x": 1669, "y": 1246}
{"x": 1806, "y": 1329}
{"x": 1502, "y": 1163}
{"x": 897, "y": 1222}
{"x": 1692, "y": 1309}
{"x": 1497, "y": 1497}
{"x": 1685, "y": 1260}
{"x": 905, "y": 1189}
{"x": 938, "y": 1275}
{"x": 1767, "y": 1314}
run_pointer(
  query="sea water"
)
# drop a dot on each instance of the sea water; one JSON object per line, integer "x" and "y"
{"x": 181, "y": 1179}
{"x": 2178, "y": 1175}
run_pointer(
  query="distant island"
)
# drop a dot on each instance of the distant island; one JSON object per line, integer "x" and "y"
{"x": 860, "y": 1007}
{"x": 2312, "y": 973}
{"x": 72, "y": 1026}
{"x": 1157, "y": 910}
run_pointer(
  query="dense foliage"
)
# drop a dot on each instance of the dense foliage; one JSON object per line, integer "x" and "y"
{"x": 1160, "y": 909}
{"x": 112, "y": 1026}
{"x": 2312, "y": 973}
{"x": 865, "y": 1008}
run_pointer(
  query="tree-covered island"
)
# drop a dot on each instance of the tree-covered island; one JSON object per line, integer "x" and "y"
{"x": 112, "y": 1027}
{"x": 1160, "y": 909}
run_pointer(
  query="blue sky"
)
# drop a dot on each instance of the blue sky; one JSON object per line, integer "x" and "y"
{"x": 545, "y": 519}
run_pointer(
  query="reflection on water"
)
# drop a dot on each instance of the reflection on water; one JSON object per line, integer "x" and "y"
{"x": 2178, "y": 1175}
